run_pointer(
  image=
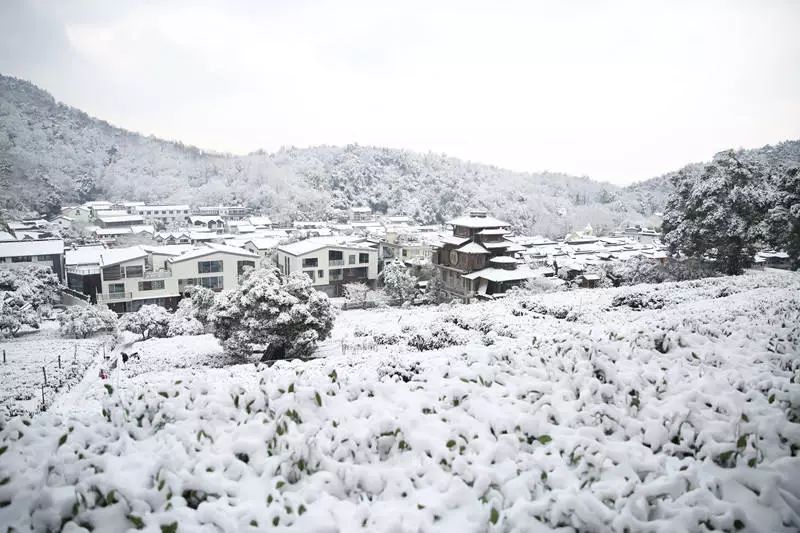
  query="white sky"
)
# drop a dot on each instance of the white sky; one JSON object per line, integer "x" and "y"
{"x": 618, "y": 91}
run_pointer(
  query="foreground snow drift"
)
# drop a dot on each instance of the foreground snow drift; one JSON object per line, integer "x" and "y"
{"x": 679, "y": 418}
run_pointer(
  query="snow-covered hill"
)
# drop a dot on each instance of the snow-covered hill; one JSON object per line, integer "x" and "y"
{"x": 672, "y": 407}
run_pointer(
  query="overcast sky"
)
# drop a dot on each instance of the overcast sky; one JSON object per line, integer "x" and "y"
{"x": 618, "y": 91}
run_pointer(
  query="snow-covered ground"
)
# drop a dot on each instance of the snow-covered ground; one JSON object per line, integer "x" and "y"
{"x": 21, "y": 378}
{"x": 652, "y": 408}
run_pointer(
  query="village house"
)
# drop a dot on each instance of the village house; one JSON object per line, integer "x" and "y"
{"x": 166, "y": 215}
{"x": 135, "y": 276}
{"x": 23, "y": 253}
{"x": 206, "y": 222}
{"x": 79, "y": 213}
{"x": 263, "y": 247}
{"x": 477, "y": 261}
{"x": 360, "y": 214}
{"x": 117, "y": 219}
{"x": 331, "y": 263}
{"x": 226, "y": 212}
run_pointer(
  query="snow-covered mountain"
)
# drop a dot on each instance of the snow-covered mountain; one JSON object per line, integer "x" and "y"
{"x": 52, "y": 155}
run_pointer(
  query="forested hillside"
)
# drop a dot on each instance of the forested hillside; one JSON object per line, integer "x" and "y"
{"x": 53, "y": 155}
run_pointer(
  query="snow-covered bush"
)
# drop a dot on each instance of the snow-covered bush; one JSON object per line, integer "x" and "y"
{"x": 438, "y": 335}
{"x": 543, "y": 285}
{"x": 15, "y": 312}
{"x": 398, "y": 283}
{"x": 639, "y": 269}
{"x": 202, "y": 300}
{"x": 356, "y": 293}
{"x": 37, "y": 285}
{"x": 271, "y": 309}
{"x": 82, "y": 321}
{"x": 183, "y": 321}
{"x": 149, "y": 321}
{"x": 638, "y": 299}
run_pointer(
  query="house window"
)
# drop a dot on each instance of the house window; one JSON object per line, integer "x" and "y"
{"x": 154, "y": 285}
{"x": 22, "y": 259}
{"x": 310, "y": 262}
{"x": 405, "y": 252}
{"x": 351, "y": 259}
{"x": 133, "y": 271}
{"x": 320, "y": 274}
{"x": 213, "y": 282}
{"x": 112, "y": 273}
{"x": 43, "y": 258}
{"x": 183, "y": 284}
{"x": 286, "y": 267}
{"x": 363, "y": 258}
{"x": 241, "y": 265}
{"x": 116, "y": 288}
{"x": 309, "y": 273}
{"x": 207, "y": 267}
{"x": 335, "y": 274}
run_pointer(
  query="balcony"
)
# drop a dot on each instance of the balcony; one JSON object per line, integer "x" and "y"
{"x": 114, "y": 297}
{"x": 335, "y": 262}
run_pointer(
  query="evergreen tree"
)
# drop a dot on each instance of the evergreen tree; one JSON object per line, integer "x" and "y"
{"x": 270, "y": 309}
{"x": 719, "y": 211}
{"x": 783, "y": 220}
{"x": 398, "y": 283}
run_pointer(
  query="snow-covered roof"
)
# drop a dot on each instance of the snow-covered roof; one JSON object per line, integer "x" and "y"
{"x": 497, "y": 245}
{"x": 115, "y": 256}
{"x": 452, "y": 239}
{"x": 773, "y": 255}
{"x": 515, "y": 248}
{"x": 31, "y": 247}
{"x": 473, "y": 248}
{"x": 143, "y": 228}
{"x": 500, "y": 274}
{"x": 211, "y": 248}
{"x": 502, "y": 260}
{"x": 110, "y": 232}
{"x": 246, "y": 228}
{"x": 264, "y": 244}
{"x": 313, "y": 244}
{"x": 204, "y": 219}
{"x": 127, "y": 219}
{"x": 478, "y": 222}
{"x": 361, "y": 210}
{"x": 6, "y": 236}
{"x": 493, "y": 231}
{"x": 260, "y": 221}
{"x": 84, "y": 255}
{"x": 178, "y": 207}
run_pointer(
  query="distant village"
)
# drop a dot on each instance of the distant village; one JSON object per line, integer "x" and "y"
{"x": 128, "y": 254}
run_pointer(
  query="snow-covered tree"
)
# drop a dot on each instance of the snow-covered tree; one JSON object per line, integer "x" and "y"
{"x": 37, "y": 285}
{"x": 783, "y": 220}
{"x": 356, "y": 293}
{"x": 15, "y": 312}
{"x": 202, "y": 300}
{"x": 270, "y": 309}
{"x": 435, "y": 292}
{"x": 719, "y": 210}
{"x": 149, "y": 321}
{"x": 81, "y": 321}
{"x": 398, "y": 283}
{"x": 183, "y": 321}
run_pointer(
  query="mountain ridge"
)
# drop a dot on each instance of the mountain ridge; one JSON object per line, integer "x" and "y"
{"x": 52, "y": 154}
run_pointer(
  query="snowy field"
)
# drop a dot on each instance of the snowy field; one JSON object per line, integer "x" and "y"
{"x": 673, "y": 407}
{"x": 22, "y": 382}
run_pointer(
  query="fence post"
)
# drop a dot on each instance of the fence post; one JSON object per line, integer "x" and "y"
{"x": 75, "y": 356}
{"x": 44, "y": 373}
{"x": 59, "y": 361}
{"x": 42, "y": 397}
{"x": 4, "y": 357}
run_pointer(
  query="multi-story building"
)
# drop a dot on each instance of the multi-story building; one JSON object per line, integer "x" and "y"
{"x": 361, "y": 214}
{"x": 477, "y": 260}
{"x": 411, "y": 248}
{"x": 330, "y": 263}
{"x": 23, "y": 253}
{"x": 227, "y": 212}
{"x": 135, "y": 276}
{"x": 166, "y": 215}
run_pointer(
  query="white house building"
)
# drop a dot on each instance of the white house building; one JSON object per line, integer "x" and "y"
{"x": 23, "y": 253}
{"x": 163, "y": 214}
{"x": 135, "y": 276}
{"x": 331, "y": 263}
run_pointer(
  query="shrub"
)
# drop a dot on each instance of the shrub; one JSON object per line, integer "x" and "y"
{"x": 82, "y": 321}
{"x": 638, "y": 299}
{"x": 148, "y": 321}
{"x": 284, "y": 313}
{"x": 438, "y": 336}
